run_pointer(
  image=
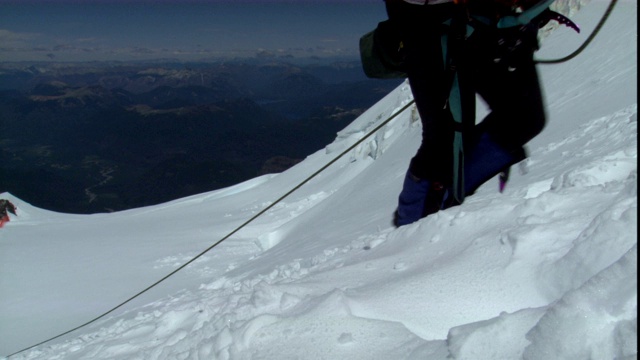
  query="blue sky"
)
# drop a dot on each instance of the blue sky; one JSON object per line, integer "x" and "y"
{"x": 184, "y": 30}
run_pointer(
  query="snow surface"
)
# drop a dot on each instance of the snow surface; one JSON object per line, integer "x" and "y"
{"x": 547, "y": 270}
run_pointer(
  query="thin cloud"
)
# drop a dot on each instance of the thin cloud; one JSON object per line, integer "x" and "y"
{"x": 15, "y": 39}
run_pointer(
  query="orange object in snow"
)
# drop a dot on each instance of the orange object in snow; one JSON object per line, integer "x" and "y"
{"x": 6, "y": 207}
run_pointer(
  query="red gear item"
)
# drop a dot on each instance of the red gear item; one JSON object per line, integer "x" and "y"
{"x": 3, "y": 220}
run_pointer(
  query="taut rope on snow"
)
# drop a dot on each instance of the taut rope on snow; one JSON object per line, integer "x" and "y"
{"x": 586, "y": 42}
{"x": 260, "y": 213}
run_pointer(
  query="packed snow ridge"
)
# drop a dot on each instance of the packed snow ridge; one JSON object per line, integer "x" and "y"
{"x": 546, "y": 270}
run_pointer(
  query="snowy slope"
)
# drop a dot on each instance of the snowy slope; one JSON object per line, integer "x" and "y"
{"x": 546, "y": 270}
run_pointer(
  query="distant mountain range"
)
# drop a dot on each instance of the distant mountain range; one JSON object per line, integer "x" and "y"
{"x": 97, "y": 137}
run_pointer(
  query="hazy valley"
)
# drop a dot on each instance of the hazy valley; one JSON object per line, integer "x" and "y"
{"x": 97, "y": 137}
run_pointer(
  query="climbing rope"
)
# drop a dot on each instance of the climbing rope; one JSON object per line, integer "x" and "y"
{"x": 260, "y": 213}
{"x": 586, "y": 42}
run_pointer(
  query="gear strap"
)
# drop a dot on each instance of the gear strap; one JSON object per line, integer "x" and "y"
{"x": 459, "y": 103}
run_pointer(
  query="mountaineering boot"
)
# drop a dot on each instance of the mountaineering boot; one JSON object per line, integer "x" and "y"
{"x": 417, "y": 199}
{"x": 486, "y": 160}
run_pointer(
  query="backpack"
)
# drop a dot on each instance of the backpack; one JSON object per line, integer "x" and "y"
{"x": 381, "y": 52}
